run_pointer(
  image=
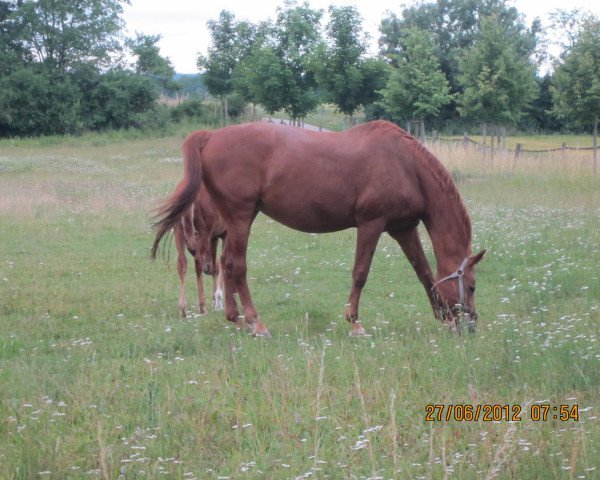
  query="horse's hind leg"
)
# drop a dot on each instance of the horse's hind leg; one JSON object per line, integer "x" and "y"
{"x": 366, "y": 242}
{"x": 181, "y": 267}
{"x": 235, "y": 277}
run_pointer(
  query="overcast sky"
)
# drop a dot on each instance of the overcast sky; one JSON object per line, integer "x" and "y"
{"x": 182, "y": 23}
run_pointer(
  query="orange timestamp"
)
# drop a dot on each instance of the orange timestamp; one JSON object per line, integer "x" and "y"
{"x": 499, "y": 412}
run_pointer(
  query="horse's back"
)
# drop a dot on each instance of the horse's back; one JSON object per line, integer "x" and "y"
{"x": 311, "y": 181}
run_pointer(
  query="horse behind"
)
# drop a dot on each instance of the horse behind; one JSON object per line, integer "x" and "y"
{"x": 198, "y": 232}
{"x": 374, "y": 177}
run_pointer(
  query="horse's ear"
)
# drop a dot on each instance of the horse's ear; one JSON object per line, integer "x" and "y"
{"x": 474, "y": 260}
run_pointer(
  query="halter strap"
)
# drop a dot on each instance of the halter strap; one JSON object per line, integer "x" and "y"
{"x": 459, "y": 273}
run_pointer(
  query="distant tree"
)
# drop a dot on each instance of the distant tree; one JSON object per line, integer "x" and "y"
{"x": 497, "y": 77}
{"x": 61, "y": 34}
{"x": 192, "y": 85}
{"x": 12, "y": 52}
{"x": 417, "y": 88}
{"x": 280, "y": 70}
{"x": 577, "y": 80}
{"x": 150, "y": 63}
{"x": 230, "y": 44}
{"x": 539, "y": 115}
{"x": 566, "y": 25}
{"x": 455, "y": 26}
{"x": 343, "y": 72}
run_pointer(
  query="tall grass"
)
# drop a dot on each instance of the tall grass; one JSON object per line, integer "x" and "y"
{"x": 100, "y": 378}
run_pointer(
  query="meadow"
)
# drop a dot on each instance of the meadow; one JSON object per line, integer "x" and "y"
{"x": 100, "y": 378}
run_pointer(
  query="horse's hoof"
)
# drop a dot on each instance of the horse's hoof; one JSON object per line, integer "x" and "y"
{"x": 358, "y": 331}
{"x": 262, "y": 334}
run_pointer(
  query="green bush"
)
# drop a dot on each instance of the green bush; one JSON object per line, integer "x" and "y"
{"x": 34, "y": 102}
{"x": 189, "y": 109}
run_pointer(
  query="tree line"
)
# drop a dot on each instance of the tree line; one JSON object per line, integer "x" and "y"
{"x": 65, "y": 66}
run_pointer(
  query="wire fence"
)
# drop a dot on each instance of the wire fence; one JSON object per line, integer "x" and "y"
{"x": 466, "y": 140}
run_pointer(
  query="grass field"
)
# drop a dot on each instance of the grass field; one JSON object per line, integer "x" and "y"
{"x": 101, "y": 378}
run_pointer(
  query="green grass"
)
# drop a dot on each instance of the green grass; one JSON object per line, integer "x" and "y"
{"x": 101, "y": 378}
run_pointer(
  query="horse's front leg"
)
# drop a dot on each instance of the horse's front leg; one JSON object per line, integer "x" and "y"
{"x": 234, "y": 264}
{"x": 217, "y": 276}
{"x": 411, "y": 245}
{"x": 366, "y": 242}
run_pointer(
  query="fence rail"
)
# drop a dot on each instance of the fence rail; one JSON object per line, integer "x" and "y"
{"x": 518, "y": 150}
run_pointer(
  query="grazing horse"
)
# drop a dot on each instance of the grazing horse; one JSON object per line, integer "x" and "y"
{"x": 198, "y": 231}
{"x": 374, "y": 177}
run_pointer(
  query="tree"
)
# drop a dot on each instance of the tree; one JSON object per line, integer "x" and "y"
{"x": 342, "y": 71}
{"x": 61, "y": 68}
{"x": 455, "y": 26}
{"x": 12, "y": 51}
{"x": 151, "y": 64}
{"x": 497, "y": 77}
{"x": 577, "y": 80}
{"x": 417, "y": 88}
{"x": 280, "y": 68}
{"x": 540, "y": 115}
{"x": 60, "y": 34}
{"x": 230, "y": 44}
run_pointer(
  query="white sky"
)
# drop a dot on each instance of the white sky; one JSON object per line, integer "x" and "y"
{"x": 182, "y": 23}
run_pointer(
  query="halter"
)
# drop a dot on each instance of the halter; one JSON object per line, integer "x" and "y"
{"x": 461, "y": 307}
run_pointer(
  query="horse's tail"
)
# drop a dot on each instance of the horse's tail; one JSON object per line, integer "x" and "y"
{"x": 185, "y": 193}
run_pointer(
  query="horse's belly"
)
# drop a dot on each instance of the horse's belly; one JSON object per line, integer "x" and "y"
{"x": 312, "y": 217}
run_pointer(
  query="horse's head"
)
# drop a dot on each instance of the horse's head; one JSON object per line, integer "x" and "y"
{"x": 454, "y": 294}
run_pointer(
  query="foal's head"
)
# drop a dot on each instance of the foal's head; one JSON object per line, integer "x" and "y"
{"x": 455, "y": 295}
{"x": 205, "y": 253}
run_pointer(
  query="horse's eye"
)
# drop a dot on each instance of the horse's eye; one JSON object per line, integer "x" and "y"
{"x": 472, "y": 289}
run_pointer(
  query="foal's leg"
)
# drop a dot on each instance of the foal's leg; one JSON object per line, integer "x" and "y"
{"x": 366, "y": 242}
{"x": 412, "y": 247}
{"x": 219, "y": 286}
{"x": 217, "y": 276}
{"x": 201, "y": 297}
{"x": 181, "y": 266}
{"x": 235, "y": 276}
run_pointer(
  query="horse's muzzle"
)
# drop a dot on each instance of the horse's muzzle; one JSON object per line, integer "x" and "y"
{"x": 459, "y": 315}
{"x": 207, "y": 269}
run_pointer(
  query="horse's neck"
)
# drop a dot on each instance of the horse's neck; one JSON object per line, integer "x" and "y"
{"x": 448, "y": 230}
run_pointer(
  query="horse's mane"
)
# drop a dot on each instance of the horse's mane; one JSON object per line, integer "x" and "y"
{"x": 446, "y": 183}
{"x": 432, "y": 164}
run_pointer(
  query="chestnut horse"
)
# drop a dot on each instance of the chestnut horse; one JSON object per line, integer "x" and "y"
{"x": 199, "y": 231}
{"x": 374, "y": 177}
